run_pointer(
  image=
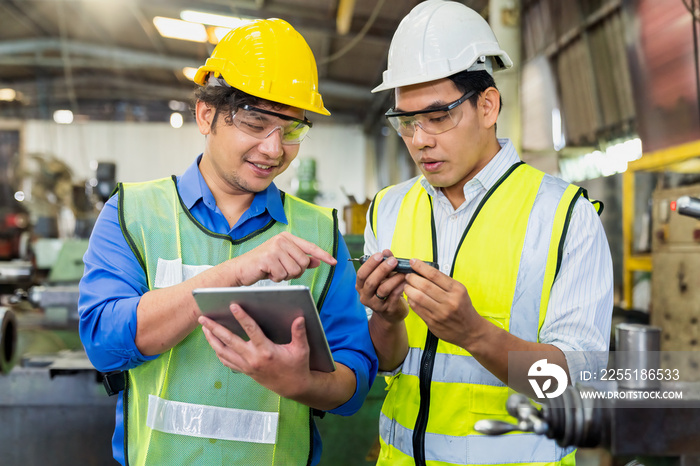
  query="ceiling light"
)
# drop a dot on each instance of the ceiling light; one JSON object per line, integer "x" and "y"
{"x": 177, "y": 29}
{"x": 176, "y": 120}
{"x": 189, "y": 72}
{"x": 63, "y": 117}
{"x": 8, "y": 94}
{"x": 217, "y": 33}
{"x": 229, "y": 22}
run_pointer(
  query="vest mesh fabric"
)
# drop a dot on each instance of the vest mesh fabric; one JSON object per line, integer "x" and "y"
{"x": 158, "y": 226}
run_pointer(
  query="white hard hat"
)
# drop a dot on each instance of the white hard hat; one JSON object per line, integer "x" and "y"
{"x": 437, "y": 39}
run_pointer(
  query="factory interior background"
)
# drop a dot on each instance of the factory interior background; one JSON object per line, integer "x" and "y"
{"x": 604, "y": 94}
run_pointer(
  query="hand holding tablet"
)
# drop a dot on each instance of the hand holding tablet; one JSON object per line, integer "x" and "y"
{"x": 273, "y": 309}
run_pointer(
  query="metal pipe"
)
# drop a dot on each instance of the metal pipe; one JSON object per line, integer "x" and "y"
{"x": 8, "y": 339}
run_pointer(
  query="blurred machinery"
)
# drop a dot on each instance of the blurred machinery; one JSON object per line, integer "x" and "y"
{"x": 50, "y": 394}
{"x": 630, "y": 423}
{"x": 307, "y": 184}
{"x": 675, "y": 280}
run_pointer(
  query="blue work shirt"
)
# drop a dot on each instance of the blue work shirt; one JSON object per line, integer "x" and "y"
{"x": 114, "y": 282}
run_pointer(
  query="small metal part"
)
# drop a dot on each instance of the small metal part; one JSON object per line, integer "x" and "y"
{"x": 689, "y": 206}
{"x": 404, "y": 265}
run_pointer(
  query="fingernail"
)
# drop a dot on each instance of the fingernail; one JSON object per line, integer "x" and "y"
{"x": 392, "y": 261}
{"x": 378, "y": 257}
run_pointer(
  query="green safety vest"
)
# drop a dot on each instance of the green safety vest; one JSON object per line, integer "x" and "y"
{"x": 525, "y": 215}
{"x": 185, "y": 407}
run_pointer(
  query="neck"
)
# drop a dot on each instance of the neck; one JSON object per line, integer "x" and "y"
{"x": 231, "y": 202}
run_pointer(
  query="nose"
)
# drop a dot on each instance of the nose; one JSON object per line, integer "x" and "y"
{"x": 420, "y": 138}
{"x": 272, "y": 144}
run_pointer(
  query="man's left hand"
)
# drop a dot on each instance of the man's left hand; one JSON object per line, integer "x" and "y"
{"x": 443, "y": 303}
{"x": 284, "y": 369}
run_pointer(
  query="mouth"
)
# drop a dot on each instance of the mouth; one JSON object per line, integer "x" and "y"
{"x": 262, "y": 168}
{"x": 431, "y": 165}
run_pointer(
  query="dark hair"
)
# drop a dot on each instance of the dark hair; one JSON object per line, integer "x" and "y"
{"x": 478, "y": 81}
{"x": 227, "y": 99}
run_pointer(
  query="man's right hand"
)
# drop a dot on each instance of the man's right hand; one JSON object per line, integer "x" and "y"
{"x": 381, "y": 289}
{"x": 282, "y": 257}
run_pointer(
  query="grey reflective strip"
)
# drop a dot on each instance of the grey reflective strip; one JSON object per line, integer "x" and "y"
{"x": 524, "y": 316}
{"x": 474, "y": 449}
{"x": 388, "y": 212}
{"x": 451, "y": 368}
{"x": 193, "y": 420}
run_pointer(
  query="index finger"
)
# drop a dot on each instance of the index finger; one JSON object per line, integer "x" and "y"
{"x": 313, "y": 250}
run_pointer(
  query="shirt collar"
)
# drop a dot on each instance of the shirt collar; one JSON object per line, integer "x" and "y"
{"x": 192, "y": 188}
{"x": 490, "y": 174}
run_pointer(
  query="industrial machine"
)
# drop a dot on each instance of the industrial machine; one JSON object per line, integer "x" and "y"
{"x": 53, "y": 407}
{"x": 625, "y": 415}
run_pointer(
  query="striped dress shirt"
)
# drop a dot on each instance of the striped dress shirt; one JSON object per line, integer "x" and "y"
{"x": 579, "y": 313}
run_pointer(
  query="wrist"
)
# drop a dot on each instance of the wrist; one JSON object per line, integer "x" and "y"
{"x": 481, "y": 336}
{"x": 232, "y": 272}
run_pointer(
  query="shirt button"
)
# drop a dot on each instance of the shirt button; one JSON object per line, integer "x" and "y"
{"x": 453, "y": 218}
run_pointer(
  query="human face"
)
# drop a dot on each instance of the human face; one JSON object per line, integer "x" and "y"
{"x": 238, "y": 162}
{"x": 449, "y": 159}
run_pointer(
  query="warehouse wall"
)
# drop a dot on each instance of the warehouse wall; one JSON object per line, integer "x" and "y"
{"x": 144, "y": 151}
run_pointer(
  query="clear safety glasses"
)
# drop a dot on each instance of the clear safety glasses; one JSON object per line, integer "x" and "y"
{"x": 261, "y": 123}
{"x": 432, "y": 121}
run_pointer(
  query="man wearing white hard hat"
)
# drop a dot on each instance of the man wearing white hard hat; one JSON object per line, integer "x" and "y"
{"x": 524, "y": 264}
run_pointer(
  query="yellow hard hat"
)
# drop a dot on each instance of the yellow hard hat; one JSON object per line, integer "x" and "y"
{"x": 269, "y": 59}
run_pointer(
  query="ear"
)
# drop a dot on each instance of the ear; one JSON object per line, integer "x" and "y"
{"x": 490, "y": 106}
{"x": 204, "y": 115}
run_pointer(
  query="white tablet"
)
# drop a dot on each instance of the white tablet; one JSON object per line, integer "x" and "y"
{"x": 273, "y": 308}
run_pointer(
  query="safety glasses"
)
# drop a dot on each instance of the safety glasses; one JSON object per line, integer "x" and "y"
{"x": 432, "y": 121}
{"x": 261, "y": 123}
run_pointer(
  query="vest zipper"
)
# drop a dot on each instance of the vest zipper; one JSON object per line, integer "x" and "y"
{"x": 425, "y": 377}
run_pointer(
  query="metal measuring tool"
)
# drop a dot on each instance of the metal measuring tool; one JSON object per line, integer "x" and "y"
{"x": 404, "y": 266}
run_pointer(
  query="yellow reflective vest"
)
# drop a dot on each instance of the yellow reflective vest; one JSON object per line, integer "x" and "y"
{"x": 185, "y": 407}
{"x": 508, "y": 258}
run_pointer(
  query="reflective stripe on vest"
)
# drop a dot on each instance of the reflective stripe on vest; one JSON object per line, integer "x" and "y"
{"x": 171, "y": 247}
{"x": 508, "y": 259}
{"x": 205, "y": 421}
{"x": 474, "y": 449}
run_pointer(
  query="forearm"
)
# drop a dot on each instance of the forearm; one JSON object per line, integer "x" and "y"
{"x": 390, "y": 342}
{"x": 326, "y": 390}
{"x": 166, "y": 316}
{"x": 493, "y": 345}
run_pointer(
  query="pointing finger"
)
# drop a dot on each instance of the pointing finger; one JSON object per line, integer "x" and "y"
{"x": 313, "y": 250}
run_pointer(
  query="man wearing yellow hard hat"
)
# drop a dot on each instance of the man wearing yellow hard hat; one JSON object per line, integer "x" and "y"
{"x": 193, "y": 392}
{"x": 524, "y": 265}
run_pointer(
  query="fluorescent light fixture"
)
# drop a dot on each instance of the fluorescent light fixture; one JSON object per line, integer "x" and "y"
{"x": 8, "y": 94}
{"x": 177, "y": 29}
{"x": 189, "y": 72}
{"x": 217, "y": 33}
{"x": 177, "y": 106}
{"x": 63, "y": 117}
{"x": 176, "y": 120}
{"x": 558, "y": 138}
{"x": 596, "y": 164}
{"x": 211, "y": 19}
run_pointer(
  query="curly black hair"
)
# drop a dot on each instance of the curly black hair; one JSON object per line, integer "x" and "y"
{"x": 226, "y": 99}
